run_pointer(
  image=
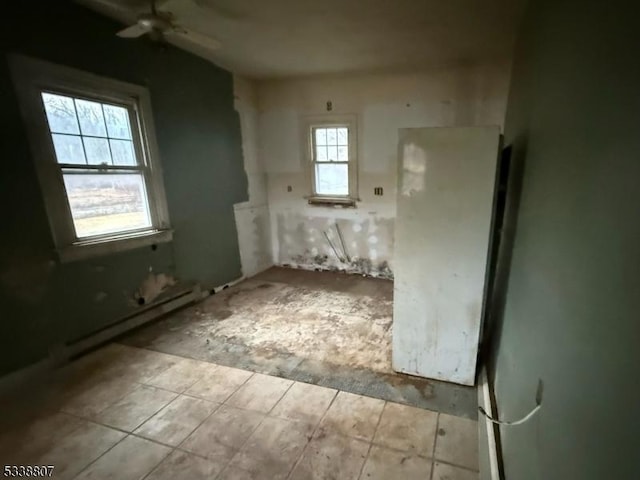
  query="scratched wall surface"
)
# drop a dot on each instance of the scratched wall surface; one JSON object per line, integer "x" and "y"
{"x": 44, "y": 302}
{"x": 472, "y": 95}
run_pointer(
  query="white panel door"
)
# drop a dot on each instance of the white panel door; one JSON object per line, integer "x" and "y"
{"x": 443, "y": 225}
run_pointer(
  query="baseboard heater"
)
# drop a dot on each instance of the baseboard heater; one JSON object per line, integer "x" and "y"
{"x": 185, "y": 295}
{"x": 488, "y": 433}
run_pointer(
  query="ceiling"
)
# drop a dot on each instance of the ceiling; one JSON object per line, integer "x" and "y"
{"x": 281, "y": 38}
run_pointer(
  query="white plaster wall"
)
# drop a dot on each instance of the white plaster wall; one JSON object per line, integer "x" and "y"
{"x": 252, "y": 217}
{"x": 460, "y": 96}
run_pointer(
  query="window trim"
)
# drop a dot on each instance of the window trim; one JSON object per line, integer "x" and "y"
{"x": 31, "y": 77}
{"x": 328, "y": 121}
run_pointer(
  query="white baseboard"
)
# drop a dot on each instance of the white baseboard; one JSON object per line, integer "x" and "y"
{"x": 488, "y": 448}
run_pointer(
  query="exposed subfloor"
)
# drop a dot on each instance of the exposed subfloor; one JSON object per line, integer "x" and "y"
{"x": 325, "y": 328}
{"x": 127, "y": 413}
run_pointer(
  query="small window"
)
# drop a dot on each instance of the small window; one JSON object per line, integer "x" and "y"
{"x": 96, "y": 158}
{"x": 333, "y": 162}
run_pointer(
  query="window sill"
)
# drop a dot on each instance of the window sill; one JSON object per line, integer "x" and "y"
{"x": 332, "y": 202}
{"x": 115, "y": 244}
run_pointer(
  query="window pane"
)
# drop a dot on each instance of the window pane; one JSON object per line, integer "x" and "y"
{"x": 91, "y": 118}
{"x": 343, "y": 136}
{"x": 97, "y": 150}
{"x": 117, "y": 122}
{"x": 332, "y": 179}
{"x": 107, "y": 203}
{"x": 321, "y": 154}
{"x": 122, "y": 152}
{"x": 332, "y": 138}
{"x": 343, "y": 154}
{"x": 61, "y": 113}
{"x": 332, "y": 154}
{"x": 321, "y": 136}
{"x": 68, "y": 149}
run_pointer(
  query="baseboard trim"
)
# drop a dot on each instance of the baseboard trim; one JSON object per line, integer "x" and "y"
{"x": 61, "y": 354}
{"x": 487, "y": 433}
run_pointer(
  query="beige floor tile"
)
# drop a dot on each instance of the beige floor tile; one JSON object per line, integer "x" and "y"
{"x": 141, "y": 365}
{"x": 232, "y": 473}
{"x": 134, "y": 409}
{"x": 222, "y": 434}
{"x": 407, "y": 428}
{"x": 457, "y": 441}
{"x": 131, "y": 459}
{"x": 273, "y": 448}
{"x": 182, "y": 375}
{"x": 182, "y": 465}
{"x": 331, "y": 456}
{"x": 95, "y": 399}
{"x": 24, "y": 442}
{"x": 385, "y": 464}
{"x": 121, "y": 361}
{"x": 443, "y": 471}
{"x": 260, "y": 393}
{"x": 304, "y": 402}
{"x": 176, "y": 421}
{"x": 70, "y": 454}
{"x": 219, "y": 384}
{"x": 353, "y": 415}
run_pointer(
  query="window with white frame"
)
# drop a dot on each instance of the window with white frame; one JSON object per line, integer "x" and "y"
{"x": 96, "y": 158}
{"x": 333, "y": 161}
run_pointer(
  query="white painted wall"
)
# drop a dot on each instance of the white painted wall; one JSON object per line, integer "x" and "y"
{"x": 252, "y": 217}
{"x": 445, "y": 204}
{"x": 458, "y": 96}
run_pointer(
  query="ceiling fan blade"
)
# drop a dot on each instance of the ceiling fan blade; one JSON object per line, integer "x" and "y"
{"x": 195, "y": 38}
{"x": 133, "y": 31}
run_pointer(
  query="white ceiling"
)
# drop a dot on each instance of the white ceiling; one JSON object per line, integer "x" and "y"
{"x": 279, "y": 38}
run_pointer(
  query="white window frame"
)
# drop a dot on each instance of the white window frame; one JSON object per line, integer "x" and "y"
{"x": 328, "y": 121}
{"x": 32, "y": 77}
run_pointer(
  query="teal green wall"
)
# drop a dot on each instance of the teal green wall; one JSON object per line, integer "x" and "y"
{"x": 572, "y": 281}
{"x": 198, "y": 132}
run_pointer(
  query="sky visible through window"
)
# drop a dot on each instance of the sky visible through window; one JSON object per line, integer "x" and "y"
{"x": 331, "y": 157}
{"x": 103, "y": 178}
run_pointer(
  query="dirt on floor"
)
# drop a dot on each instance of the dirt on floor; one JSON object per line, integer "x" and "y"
{"x": 333, "y": 327}
{"x": 327, "y": 328}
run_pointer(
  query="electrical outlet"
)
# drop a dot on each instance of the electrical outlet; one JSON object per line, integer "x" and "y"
{"x": 378, "y": 191}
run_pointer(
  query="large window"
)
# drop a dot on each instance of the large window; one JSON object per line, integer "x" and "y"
{"x": 96, "y": 158}
{"x": 333, "y": 161}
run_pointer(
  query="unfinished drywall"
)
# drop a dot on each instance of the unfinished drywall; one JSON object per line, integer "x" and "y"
{"x": 45, "y": 303}
{"x": 252, "y": 217}
{"x": 454, "y": 96}
{"x": 572, "y": 290}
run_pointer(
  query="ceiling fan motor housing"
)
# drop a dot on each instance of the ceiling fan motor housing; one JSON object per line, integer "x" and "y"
{"x": 153, "y": 22}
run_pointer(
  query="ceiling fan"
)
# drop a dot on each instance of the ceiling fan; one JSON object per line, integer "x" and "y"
{"x": 160, "y": 25}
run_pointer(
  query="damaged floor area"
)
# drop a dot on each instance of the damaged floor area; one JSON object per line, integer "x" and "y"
{"x": 325, "y": 328}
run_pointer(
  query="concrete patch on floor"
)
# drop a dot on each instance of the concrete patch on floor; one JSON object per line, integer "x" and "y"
{"x": 325, "y": 328}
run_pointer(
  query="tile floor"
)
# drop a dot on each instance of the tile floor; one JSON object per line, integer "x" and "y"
{"x": 127, "y": 413}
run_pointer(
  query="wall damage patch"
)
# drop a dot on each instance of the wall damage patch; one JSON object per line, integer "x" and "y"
{"x": 152, "y": 286}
